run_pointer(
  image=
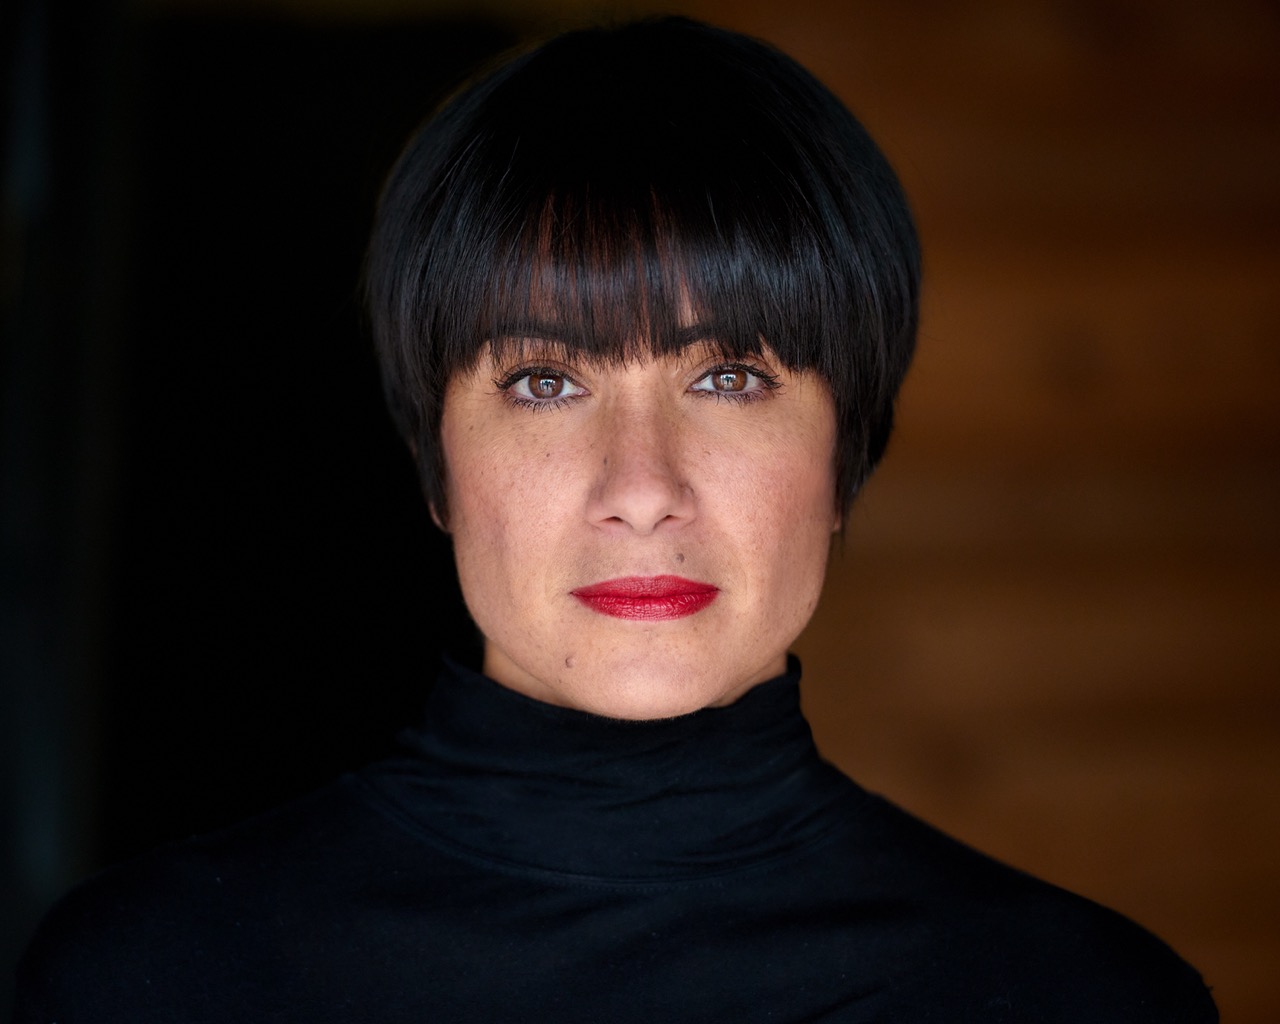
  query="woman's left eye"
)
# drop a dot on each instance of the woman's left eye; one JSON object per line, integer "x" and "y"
{"x": 735, "y": 381}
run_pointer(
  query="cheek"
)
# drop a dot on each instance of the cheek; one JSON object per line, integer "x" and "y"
{"x": 490, "y": 482}
{"x": 507, "y": 507}
{"x": 789, "y": 516}
{"x": 485, "y": 502}
{"x": 790, "y": 485}
{"x": 800, "y": 536}
{"x": 478, "y": 490}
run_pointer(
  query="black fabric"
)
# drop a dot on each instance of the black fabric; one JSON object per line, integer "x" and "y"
{"x": 523, "y": 862}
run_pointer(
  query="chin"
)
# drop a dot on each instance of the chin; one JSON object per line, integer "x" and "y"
{"x": 640, "y": 695}
{"x": 646, "y": 675}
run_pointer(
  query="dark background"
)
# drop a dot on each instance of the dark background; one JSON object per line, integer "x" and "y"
{"x": 221, "y": 583}
{"x": 278, "y": 584}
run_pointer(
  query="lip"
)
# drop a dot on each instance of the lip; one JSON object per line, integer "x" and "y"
{"x": 651, "y": 598}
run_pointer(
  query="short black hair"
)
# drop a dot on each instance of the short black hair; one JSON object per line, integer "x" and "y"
{"x": 612, "y": 178}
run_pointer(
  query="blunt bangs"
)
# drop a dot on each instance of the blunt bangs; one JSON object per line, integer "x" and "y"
{"x": 627, "y": 192}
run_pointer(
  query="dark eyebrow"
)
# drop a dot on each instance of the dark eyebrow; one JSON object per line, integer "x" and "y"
{"x": 544, "y": 330}
{"x": 529, "y": 330}
{"x": 520, "y": 338}
{"x": 698, "y": 332}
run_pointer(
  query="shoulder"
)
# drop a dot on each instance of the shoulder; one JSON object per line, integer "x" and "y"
{"x": 1021, "y": 947}
{"x": 176, "y": 926}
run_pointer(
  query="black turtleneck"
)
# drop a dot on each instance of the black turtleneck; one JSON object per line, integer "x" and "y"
{"x": 523, "y": 862}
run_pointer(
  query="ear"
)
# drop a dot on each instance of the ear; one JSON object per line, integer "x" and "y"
{"x": 431, "y": 505}
{"x": 438, "y": 507}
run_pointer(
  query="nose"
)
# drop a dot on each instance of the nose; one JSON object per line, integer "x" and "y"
{"x": 640, "y": 482}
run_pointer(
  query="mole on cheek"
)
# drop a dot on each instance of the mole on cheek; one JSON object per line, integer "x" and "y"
{"x": 679, "y": 558}
{"x": 568, "y": 662}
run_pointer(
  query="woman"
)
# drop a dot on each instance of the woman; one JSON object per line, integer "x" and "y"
{"x": 643, "y": 300}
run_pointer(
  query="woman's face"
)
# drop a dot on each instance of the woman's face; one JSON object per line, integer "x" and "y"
{"x": 643, "y": 540}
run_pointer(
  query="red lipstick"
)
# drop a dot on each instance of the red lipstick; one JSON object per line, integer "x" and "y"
{"x": 652, "y": 598}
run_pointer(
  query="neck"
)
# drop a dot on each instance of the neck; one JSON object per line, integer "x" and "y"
{"x": 532, "y": 786}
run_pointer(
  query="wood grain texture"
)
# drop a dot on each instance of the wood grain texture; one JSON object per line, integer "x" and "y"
{"x": 1054, "y": 628}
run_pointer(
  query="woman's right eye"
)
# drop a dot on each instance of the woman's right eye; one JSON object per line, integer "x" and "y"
{"x": 541, "y": 387}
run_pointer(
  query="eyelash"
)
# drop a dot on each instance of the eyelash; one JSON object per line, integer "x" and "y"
{"x": 506, "y": 383}
{"x": 768, "y": 382}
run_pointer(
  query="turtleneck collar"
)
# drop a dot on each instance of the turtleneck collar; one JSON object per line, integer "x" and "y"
{"x": 531, "y": 786}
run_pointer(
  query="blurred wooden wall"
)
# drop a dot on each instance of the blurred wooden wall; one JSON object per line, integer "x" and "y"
{"x": 1055, "y": 627}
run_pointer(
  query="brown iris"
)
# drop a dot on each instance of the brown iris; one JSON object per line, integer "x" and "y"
{"x": 729, "y": 380}
{"x": 546, "y": 385}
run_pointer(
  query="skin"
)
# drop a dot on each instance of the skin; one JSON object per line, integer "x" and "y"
{"x": 647, "y": 468}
